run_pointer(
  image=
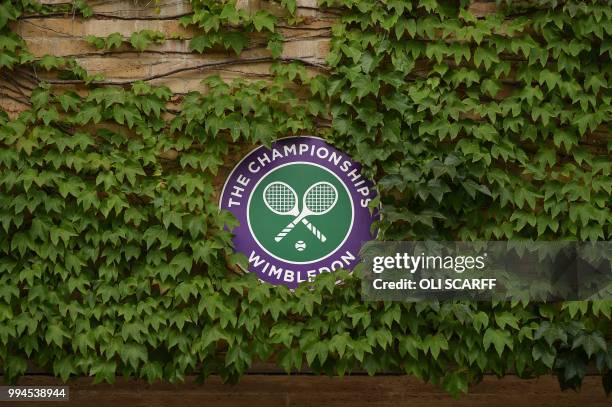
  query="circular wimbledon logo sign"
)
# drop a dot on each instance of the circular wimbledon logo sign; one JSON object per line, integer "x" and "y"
{"x": 302, "y": 207}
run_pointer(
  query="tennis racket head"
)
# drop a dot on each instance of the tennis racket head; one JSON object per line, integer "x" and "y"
{"x": 320, "y": 198}
{"x": 280, "y": 198}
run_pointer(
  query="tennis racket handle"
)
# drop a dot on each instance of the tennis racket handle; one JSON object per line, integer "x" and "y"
{"x": 313, "y": 229}
{"x": 280, "y": 235}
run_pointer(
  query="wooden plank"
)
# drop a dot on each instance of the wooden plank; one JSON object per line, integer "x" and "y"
{"x": 308, "y": 390}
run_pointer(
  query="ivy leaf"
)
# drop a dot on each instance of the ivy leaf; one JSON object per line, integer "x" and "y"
{"x": 50, "y": 62}
{"x": 491, "y": 87}
{"x": 506, "y": 318}
{"x": 152, "y": 371}
{"x": 564, "y": 138}
{"x": 544, "y": 354}
{"x": 88, "y": 112}
{"x": 182, "y": 262}
{"x": 591, "y": 343}
{"x": 290, "y": 5}
{"x": 472, "y": 187}
{"x": 7, "y": 60}
{"x": 235, "y": 40}
{"x": 480, "y": 321}
{"x": 201, "y": 43}
{"x": 456, "y": 383}
{"x": 55, "y": 334}
{"x": 97, "y": 42}
{"x": 379, "y": 337}
{"x": 64, "y": 367}
{"x": 142, "y": 39}
{"x": 485, "y": 56}
{"x": 275, "y": 45}
{"x": 405, "y": 25}
{"x": 434, "y": 344}
{"x": 69, "y": 101}
{"x": 263, "y": 19}
{"x": 498, "y": 338}
{"x": 15, "y": 365}
{"x": 40, "y": 97}
{"x": 410, "y": 345}
{"x": 10, "y": 42}
{"x": 8, "y": 12}
{"x": 340, "y": 343}
{"x": 290, "y": 358}
{"x": 103, "y": 371}
{"x": 114, "y": 40}
{"x": 84, "y": 8}
{"x": 197, "y": 226}
{"x": 48, "y": 115}
{"x": 319, "y": 349}
{"x": 133, "y": 354}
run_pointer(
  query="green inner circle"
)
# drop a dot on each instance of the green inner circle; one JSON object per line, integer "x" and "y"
{"x": 266, "y": 224}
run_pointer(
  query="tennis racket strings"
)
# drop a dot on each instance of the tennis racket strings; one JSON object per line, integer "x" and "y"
{"x": 319, "y": 199}
{"x": 280, "y": 198}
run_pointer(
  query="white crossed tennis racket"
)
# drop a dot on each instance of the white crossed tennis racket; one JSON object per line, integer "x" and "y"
{"x": 281, "y": 199}
{"x": 319, "y": 199}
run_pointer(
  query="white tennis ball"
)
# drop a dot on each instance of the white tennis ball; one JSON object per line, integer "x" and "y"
{"x": 300, "y": 246}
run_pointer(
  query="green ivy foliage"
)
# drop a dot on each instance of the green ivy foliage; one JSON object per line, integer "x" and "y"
{"x": 115, "y": 258}
{"x": 499, "y": 116}
{"x": 217, "y": 20}
{"x": 139, "y": 40}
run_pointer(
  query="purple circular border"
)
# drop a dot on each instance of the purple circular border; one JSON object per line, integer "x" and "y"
{"x": 244, "y": 241}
